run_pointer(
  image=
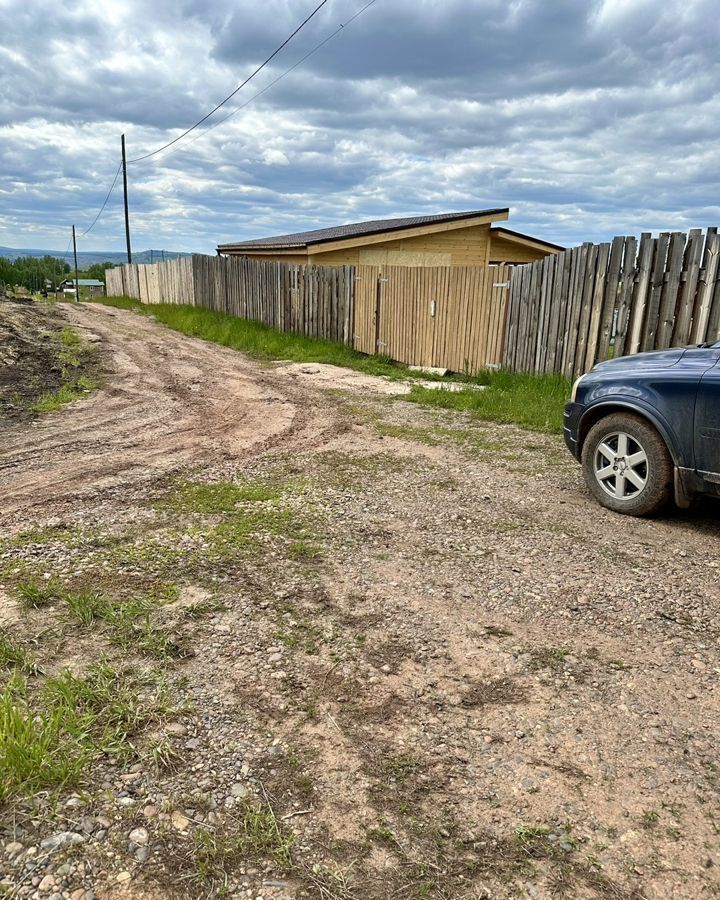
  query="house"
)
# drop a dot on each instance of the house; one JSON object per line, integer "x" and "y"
{"x": 89, "y": 287}
{"x": 448, "y": 239}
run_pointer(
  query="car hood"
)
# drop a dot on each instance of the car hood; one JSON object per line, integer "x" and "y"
{"x": 654, "y": 359}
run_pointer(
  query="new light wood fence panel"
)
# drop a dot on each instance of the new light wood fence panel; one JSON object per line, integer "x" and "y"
{"x": 447, "y": 316}
{"x": 569, "y": 311}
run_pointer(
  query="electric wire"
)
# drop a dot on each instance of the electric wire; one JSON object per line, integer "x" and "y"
{"x": 238, "y": 88}
{"x": 102, "y": 208}
{"x": 267, "y": 87}
{"x": 284, "y": 74}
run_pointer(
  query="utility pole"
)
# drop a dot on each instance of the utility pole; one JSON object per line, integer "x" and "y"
{"x": 77, "y": 282}
{"x": 127, "y": 213}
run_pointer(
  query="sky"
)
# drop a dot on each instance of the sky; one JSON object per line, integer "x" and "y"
{"x": 588, "y": 118}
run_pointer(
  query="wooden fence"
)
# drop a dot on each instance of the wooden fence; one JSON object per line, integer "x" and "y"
{"x": 569, "y": 311}
{"x": 170, "y": 281}
{"x": 450, "y": 317}
{"x": 311, "y": 300}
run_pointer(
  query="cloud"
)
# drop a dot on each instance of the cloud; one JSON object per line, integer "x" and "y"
{"x": 587, "y": 119}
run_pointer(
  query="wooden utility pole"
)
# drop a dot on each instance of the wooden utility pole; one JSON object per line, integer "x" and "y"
{"x": 77, "y": 282}
{"x": 127, "y": 213}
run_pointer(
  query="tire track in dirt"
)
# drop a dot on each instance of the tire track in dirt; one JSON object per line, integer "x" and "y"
{"x": 169, "y": 401}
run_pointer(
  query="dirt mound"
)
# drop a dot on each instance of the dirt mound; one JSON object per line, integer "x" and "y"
{"x": 27, "y": 356}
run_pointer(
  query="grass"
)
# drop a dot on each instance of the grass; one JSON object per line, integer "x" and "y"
{"x": 130, "y": 621}
{"x": 38, "y": 594}
{"x": 218, "y": 497}
{"x": 14, "y": 657}
{"x": 49, "y": 736}
{"x": 533, "y": 402}
{"x": 257, "y": 834}
{"x": 73, "y": 357}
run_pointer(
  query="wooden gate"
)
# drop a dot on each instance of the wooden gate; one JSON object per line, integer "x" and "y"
{"x": 450, "y": 317}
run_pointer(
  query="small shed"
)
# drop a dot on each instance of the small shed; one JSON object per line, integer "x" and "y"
{"x": 89, "y": 287}
{"x": 447, "y": 239}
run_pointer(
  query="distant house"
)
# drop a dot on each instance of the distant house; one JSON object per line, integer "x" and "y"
{"x": 89, "y": 287}
{"x": 449, "y": 239}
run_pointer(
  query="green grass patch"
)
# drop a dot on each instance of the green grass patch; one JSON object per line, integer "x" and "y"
{"x": 49, "y": 736}
{"x": 14, "y": 657}
{"x": 130, "y": 622}
{"x": 38, "y": 594}
{"x": 74, "y": 390}
{"x": 531, "y": 401}
{"x": 218, "y": 497}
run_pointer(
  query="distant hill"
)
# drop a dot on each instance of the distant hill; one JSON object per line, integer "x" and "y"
{"x": 90, "y": 259}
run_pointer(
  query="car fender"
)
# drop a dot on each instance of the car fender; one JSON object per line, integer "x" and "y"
{"x": 637, "y": 405}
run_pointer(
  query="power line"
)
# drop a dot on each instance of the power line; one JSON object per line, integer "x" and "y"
{"x": 238, "y": 88}
{"x": 279, "y": 78}
{"x": 102, "y": 208}
{"x": 292, "y": 68}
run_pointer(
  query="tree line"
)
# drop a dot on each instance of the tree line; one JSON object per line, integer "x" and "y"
{"x": 32, "y": 272}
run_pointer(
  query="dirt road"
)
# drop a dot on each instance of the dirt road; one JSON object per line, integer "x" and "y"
{"x": 410, "y": 636}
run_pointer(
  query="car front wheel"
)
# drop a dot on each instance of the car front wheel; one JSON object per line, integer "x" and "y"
{"x": 627, "y": 465}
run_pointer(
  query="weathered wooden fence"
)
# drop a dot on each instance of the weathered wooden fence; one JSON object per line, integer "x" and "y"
{"x": 447, "y": 316}
{"x": 567, "y": 311}
{"x": 311, "y": 300}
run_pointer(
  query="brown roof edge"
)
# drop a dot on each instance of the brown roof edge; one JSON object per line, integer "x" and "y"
{"x": 338, "y": 233}
{"x": 527, "y": 237}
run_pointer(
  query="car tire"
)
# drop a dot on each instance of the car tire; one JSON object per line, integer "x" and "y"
{"x": 627, "y": 466}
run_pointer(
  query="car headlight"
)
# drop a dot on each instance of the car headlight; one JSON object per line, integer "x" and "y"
{"x": 574, "y": 388}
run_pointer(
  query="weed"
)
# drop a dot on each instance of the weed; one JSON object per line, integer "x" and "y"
{"x": 38, "y": 594}
{"x": 330, "y": 883}
{"x": 384, "y": 834}
{"x": 301, "y": 549}
{"x": 303, "y": 635}
{"x": 546, "y": 658}
{"x": 130, "y": 621}
{"x": 14, "y": 657}
{"x": 399, "y": 769}
{"x": 534, "y": 841}
{"x": 160, "y": 751}
{"x": 49, "y": 737}
{"x": 649, "y": 818}
{"x": 87, "y": 606}
{"x": 204, "y": 608}
{"x": 218, "y": 497}
{"x": 257, "y": 835}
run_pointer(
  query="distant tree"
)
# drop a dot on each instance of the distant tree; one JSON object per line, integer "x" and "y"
{"x": 33, "y": 271}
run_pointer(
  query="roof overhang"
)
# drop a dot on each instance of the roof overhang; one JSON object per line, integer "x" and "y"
{"x": 526, "y": 240}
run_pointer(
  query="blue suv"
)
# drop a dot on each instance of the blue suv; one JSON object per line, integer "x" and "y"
{"x": 646, "y": 428}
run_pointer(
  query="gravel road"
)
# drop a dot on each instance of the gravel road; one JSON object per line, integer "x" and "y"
{"x": 447, "y": 671}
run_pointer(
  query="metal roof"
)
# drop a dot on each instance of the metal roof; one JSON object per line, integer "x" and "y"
{"x": 359, "y": 229}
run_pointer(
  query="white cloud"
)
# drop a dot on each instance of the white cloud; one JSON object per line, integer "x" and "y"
{"x": 588, "y": 119}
